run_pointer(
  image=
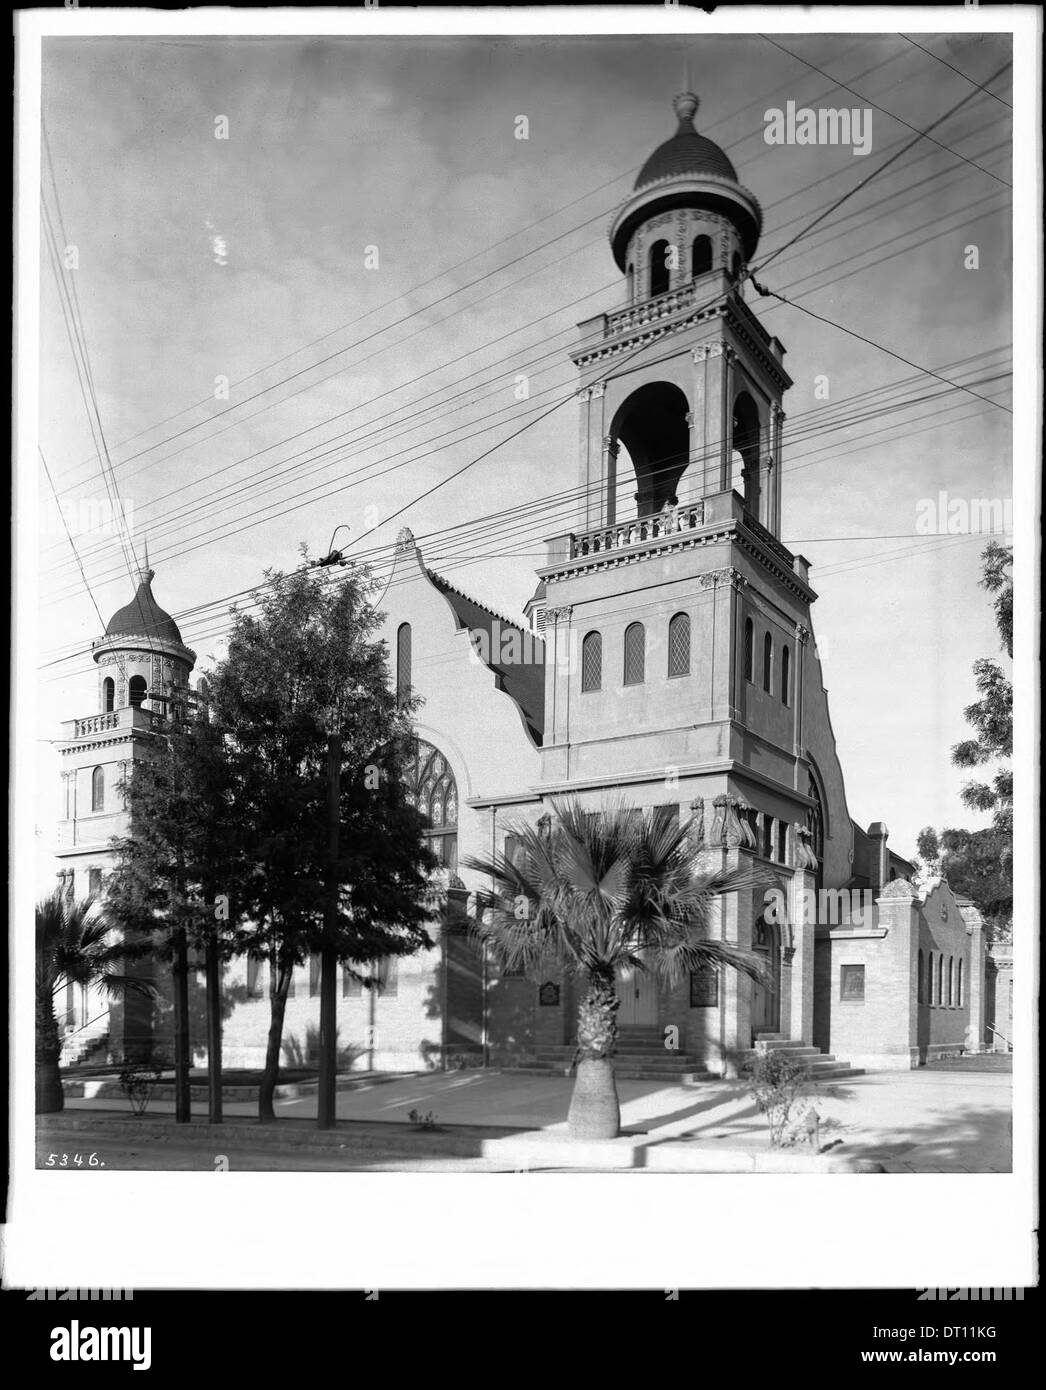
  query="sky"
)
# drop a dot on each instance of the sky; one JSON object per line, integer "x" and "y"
{"x": 371, "y": 258}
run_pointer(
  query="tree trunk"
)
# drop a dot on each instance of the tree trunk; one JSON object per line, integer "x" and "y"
{"x": 278, "y": 1007}
{"x": 214, "y": 1028}
{"x": 595, "y": 1112}
{"x": 182, "y": 1100}
{"x": 49, "y": 1094}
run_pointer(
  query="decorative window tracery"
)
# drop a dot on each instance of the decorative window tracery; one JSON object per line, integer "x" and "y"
{"x": 430, "y": 786}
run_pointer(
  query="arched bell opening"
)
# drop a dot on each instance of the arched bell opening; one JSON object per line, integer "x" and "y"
{"x": 745, "y": 433}
{"x": 651, "y": 426}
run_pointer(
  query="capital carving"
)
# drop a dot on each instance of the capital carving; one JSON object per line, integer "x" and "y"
{"x": 553, "y": 615}
{"x": 801, "y": 633}
{"x": 598, "y": 389}
{"x": 584, "y": 394}
{"x": 610, "y": 445}
{"x": 727, "y": 830}
{"x": 691, "y": 418}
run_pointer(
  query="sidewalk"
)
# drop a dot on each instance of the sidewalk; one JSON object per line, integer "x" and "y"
{"x": 921, "y": 1121}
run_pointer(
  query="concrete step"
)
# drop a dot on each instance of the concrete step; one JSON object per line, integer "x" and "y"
{"x": 672, "y": 1061}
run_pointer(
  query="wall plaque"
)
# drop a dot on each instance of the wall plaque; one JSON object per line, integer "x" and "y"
{"x": 548, "y": 993}
{"x": 704, "y": 988}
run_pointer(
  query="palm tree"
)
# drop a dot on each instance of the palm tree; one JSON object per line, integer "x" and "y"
{"x": 592, "y": 892}
{"x": 72, "y": 946}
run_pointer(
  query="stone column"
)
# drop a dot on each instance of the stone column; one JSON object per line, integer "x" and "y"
{"x": 976, "y": 968}
{"x": 799, "y": 952}
{"x": 712, "y": 407}
{"x": 608, "y": 479}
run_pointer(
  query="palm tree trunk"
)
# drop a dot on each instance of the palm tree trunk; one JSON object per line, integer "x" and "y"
{"x": 49, "y": 1094}
{"x": 277, "y": 1006}
{"x": 595, "y": 1112}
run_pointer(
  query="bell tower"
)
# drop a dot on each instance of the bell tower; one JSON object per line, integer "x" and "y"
{"x": 681, "y": 388}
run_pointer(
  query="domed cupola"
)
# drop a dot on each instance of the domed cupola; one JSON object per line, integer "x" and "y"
{"x": 142, "y": 660}
{"x": 686, "y": 217}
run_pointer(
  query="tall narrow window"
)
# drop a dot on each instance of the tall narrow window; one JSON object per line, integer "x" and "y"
{"x": 635, "y": 654}
{"x": 782, "y": 842}
{"x": 959, "y": 999}
{"x": 592, "y": 662}
{"x": 951, "y": 980}
{"x": 108, "y": 695}
{"x": 403, "y": 655}
{"x": 136, "y": 691}
{"x": 387, "y": 974}
{"x": 702, "y": 255}
{"x": 94, "y": 882}
{"x": 679, "y": 645}
{"x": 98, "y": 789}
{"x": 768, "y": 662}
{"x": 350, "y": 986}
{"x": 658, "y": 268}
{"x": 749, "y": 650}
{"x": 920, "y": 986}
{"x": 786, "y": 674}
{"x": 766, "y": 836}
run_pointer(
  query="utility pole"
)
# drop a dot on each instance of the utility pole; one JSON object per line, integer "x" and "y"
{"x": 326, "y": 1098}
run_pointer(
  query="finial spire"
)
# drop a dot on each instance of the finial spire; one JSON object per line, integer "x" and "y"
{"x": 686, "y": 104}
{"x": 147, "y": 574}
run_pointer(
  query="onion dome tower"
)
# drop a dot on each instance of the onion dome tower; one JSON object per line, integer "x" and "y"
{"x": 142, "y": 660}
{"x": 687, "y": 197}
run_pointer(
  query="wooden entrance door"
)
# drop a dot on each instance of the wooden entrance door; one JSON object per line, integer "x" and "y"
{"x": 637, "y": 990}
{"x": 766, "y": 998}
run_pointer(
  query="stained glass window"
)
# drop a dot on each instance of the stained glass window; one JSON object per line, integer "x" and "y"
{"x": 431, "y": 787}
{"x": 403, "y": 662}
{"x": 592, "y": 662}
{"x": 679, "y": 645}
{"x": 635, "y": 654}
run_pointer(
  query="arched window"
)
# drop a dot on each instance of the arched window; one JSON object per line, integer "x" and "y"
{"x": 959, "y": 999}
{"x": 939, "y": 989}
{"x": 749, "y": 650}
{"x": 951, "y": 980}
{"x": 136, "y": 691}
{"x": 403, "y": 656}
{"x": 432, "y": 789}
{"x": 635, "y": 654}
{"x": 630, "y": 283}
{"x": 658, "y": 268}
{"x": 736, "y": 265}
{"x": 768, "y": 662}
{"x": 98, "y": 789}
{"x": 815, "y": 825}
{"x": 920, "y": 986}
{"x": 930, "y": 981}
{"x": 701, "y": 256}
{"x": 592, "y": 662}
{"x": 786, "y": 674}
{"x": 108, "y": 695}
{"x": 679, "y": 645}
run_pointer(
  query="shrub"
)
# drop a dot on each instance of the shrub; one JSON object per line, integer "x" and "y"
{"x": 777, "y": 1081}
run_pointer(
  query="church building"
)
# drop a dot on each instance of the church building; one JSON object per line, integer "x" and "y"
{"x": 666, "y": 658}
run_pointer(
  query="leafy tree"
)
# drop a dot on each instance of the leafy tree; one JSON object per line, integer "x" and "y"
{"x": 992, "y": 715}
{"x": 976, "y": 864}
{"x": 590, "y": 893}
{"x": 304, "y": 668}
{"x": 73, "y": 945}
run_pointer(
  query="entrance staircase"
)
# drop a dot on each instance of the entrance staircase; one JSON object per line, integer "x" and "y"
{"x": 87, "y": 1045}
{"x": 822, "y": 1066}
{"x": 641, "y": 1056}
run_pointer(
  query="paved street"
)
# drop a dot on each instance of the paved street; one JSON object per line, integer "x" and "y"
{"x": 936, "y": 1120}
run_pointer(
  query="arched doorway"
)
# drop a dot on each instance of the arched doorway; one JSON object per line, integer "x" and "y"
{"x": 766, "y": 998}
{"x": 652, "y": 426}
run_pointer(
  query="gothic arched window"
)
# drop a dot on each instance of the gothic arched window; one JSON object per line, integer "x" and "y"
{"x": 403, "y": 657}
{"x": 108, "y": 695}
{"x": 98, "y": 789}
{"x": 592, "y": 662}
{"x": 958, "y": 985}
{"x": 701, "y": 256}
{"x": 768, "y": 662}
{"x": 749, "y": 650}
{"x": 658, "y": 268}
{"x": 679, "y": 645}
{"x": 635, "y": 654}
{"x": 920, "y": 987}
{"x": 432, "y": 789}
{"x": 136, "y": 691}
{"x": 786, "y": 674}
{"x": 736, "y": 265}
{"x": 815, "y": 825}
